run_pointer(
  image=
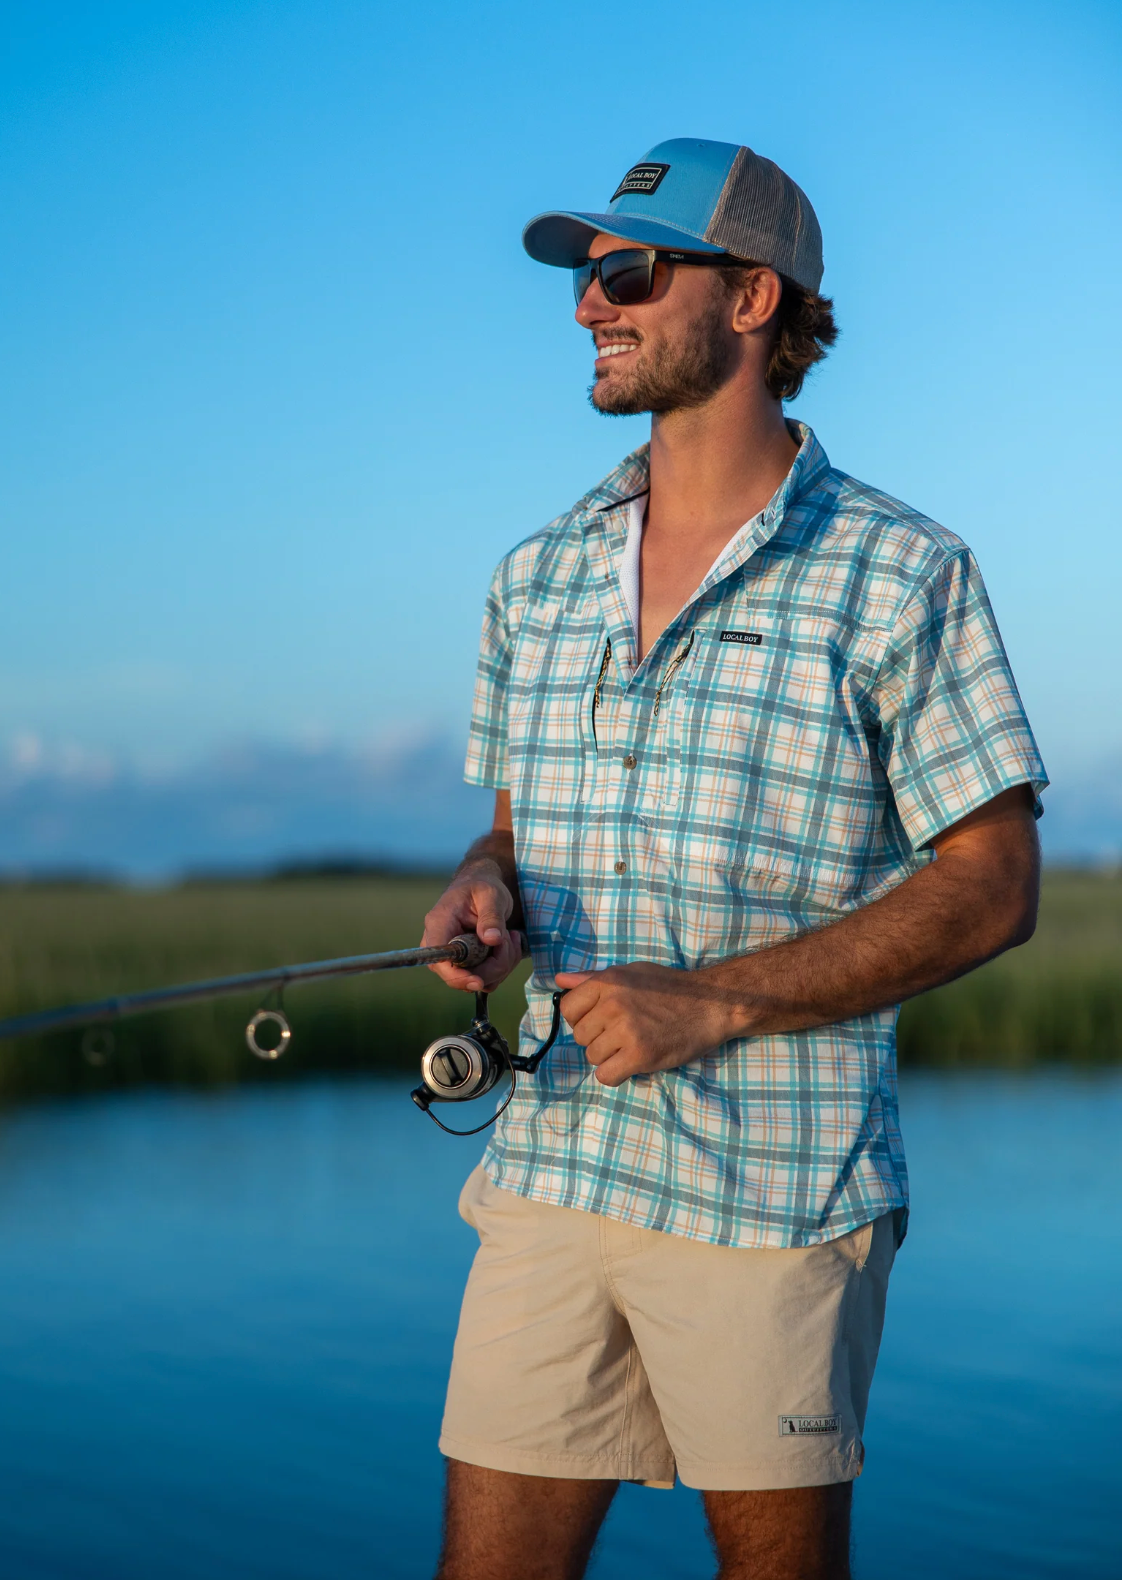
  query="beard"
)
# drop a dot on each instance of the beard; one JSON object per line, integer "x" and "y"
{"x": 670, "y": 377}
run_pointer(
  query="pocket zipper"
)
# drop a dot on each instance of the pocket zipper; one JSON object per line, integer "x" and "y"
{"x": 596, "y": 702}
{"x": 675, "y": 665}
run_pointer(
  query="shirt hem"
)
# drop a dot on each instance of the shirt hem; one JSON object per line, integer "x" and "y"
{"x": 747, "y": 1238}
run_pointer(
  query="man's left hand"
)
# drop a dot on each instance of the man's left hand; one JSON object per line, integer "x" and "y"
{"x": 635, "y": 1019}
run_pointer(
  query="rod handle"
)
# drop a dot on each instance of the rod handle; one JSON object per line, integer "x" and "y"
{"x": 472, "y": 952}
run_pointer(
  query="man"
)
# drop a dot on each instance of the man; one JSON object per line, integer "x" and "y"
{"x": 761, "y": 773}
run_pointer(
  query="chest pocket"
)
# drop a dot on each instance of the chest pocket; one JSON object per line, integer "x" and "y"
{"x": 770, "y": 784}
{"x": 549, "y": 689}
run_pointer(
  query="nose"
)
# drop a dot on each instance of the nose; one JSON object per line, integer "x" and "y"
{"x": 594, "y": 308}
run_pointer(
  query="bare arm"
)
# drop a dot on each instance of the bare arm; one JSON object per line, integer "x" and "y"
{"x": 976, "y": 899}
{"x": 482, "y": 898}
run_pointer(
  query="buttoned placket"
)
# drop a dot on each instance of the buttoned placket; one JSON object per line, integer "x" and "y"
{"x": 631, "y": 702}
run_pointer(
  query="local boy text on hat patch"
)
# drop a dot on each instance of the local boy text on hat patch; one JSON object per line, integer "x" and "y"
{"x": 640, "y": 178}
{"x": 749, "y": 638}
{"x": 808, "y": 1425}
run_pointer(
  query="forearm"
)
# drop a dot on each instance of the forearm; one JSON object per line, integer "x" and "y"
{"x": 942, "y": 922}
{"x": 911, "y": 940}
{"x": 977, "y": 898}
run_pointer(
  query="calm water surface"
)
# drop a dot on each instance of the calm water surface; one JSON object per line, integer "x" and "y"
{"x": 225, "y": 1323}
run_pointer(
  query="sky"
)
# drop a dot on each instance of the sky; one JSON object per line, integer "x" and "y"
{"x": 280, "y": 386}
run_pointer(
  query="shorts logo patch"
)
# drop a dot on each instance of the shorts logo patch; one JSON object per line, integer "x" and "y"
{"x": 749, "y": 638}
{"x": 640, "y": 178}
{"x": 808, "y": 1425}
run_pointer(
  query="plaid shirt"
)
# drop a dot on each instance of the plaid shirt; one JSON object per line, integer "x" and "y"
{"x": 832, "y": 697}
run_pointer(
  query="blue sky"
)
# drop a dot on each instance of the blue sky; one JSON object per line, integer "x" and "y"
{"x": 280, "y": 385}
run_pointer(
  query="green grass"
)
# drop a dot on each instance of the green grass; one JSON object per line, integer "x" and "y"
{"x": 62, "y": 944}
{"x": 1058, "y": 998}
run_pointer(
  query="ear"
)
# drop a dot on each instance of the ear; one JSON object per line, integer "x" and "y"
{"x": 757, "y": 301}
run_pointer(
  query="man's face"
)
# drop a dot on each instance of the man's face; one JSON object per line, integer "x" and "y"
{"x": 672, "y": 351}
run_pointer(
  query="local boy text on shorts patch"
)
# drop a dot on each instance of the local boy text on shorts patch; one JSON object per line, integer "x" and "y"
{"x": 808, "y": 1425}
{"x": 749, "y": 638}
{"x": 640, "y": 178}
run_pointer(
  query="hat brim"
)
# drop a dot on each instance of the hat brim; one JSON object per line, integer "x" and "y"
{"x": 562, "y": 238}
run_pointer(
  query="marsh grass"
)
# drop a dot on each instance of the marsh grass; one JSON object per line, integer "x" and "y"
{"x": 63, "y": 944}
{"x": 1058, "y": 998}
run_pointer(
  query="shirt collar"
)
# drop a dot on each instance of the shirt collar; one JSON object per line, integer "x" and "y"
{"x": 605, "y": 526}
{"x": 810, "y": 466}
{"x": 633, "y": 476}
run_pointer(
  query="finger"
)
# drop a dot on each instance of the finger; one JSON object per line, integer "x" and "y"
{"x": 616, "y": 1068}
{"x": 579, "y": 1000}
{"x": 607, "y": 1046}
{"x": 501, "y": 962}
{"x": 591, "y": 1025}
{"x": 571, "y": 979}
{"x": 491, "y": 912}
{"x": 456, "y": 976}
{"x": 446, "y": 921}
{"x": 485, "y": 977}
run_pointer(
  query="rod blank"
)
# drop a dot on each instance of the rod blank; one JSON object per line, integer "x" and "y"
{"x": 466, "y": 950}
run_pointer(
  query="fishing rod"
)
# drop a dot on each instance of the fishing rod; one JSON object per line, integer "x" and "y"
{"x": 454, "y": 1069}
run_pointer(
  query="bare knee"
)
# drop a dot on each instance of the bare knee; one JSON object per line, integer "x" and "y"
{"x": 502, "y": 1526}
{"x": 797, "y": 1533}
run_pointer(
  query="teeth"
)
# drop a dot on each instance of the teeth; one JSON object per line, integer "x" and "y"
{"x": 616, "y": 348}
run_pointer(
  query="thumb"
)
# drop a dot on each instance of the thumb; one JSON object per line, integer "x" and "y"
{"x": 571, "y": 979}
{"x": 490, "y": 922}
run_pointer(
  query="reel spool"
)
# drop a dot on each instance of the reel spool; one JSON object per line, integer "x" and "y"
{"x": 461, "y": 1067}
{"x": 468, "y": 1064}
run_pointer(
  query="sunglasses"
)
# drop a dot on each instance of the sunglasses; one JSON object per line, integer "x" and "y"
{"x": 627, "y": 276}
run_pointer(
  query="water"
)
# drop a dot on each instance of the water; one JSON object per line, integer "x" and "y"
{"x": 225, "y": 1323}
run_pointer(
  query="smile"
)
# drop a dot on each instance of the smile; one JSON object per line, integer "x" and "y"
{"x": 616, "y": 348}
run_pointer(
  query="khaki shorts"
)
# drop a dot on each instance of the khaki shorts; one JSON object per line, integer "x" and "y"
{"x": 591, "y": 1349}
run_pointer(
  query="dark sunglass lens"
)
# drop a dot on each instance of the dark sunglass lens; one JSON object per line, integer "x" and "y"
{"x": 626, "y": 277}
{"x": 582, "y": 279}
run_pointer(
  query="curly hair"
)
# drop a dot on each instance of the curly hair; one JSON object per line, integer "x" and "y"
{"x": 804, "y": 330}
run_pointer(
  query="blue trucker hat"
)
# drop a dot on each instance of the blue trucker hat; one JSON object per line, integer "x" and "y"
{"x": 696, "y": 196}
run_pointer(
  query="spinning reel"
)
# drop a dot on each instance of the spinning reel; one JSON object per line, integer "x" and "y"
{"x": 468, "y": 1064}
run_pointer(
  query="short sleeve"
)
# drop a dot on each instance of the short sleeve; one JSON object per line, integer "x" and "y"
{"x": 487, "y": 747}
{"x": 953, "y": 731}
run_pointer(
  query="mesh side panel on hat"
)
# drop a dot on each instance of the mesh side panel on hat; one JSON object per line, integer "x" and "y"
{"x": 761, "y": 214}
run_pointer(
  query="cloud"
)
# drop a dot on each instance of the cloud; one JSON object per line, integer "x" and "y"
{"x": 400, "y": 799}
{"x": 249, "y": 805}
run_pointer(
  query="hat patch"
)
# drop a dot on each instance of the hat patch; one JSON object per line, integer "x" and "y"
{"x": 640, "y": 178}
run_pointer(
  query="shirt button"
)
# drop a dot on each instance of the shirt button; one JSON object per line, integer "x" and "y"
{"x": 630, "y": 760}
{"x": 621, "y": 866}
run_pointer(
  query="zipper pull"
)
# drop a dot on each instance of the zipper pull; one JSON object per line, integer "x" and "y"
{"x": 604, "y": 662}
{"x": 675, "y": 666}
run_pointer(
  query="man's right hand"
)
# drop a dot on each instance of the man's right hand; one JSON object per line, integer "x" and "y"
{"x": 476, "y": 901}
